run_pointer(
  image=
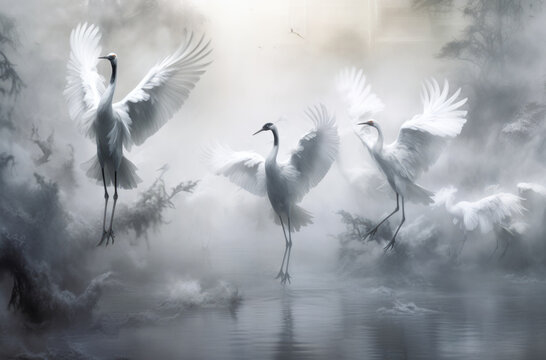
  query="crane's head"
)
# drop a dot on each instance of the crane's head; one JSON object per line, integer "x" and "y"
{"x": 112, "y": 57}
{"x": 369, "y": 123}
{"x": 266, "y": 127}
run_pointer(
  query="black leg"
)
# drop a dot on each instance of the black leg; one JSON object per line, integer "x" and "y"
{"x": 372, "y": 232}
{"x": 495, "y": 249}
{"x": 110, "y": 231}
{"x": 465, "y": 236}
{"x": 104, "y": 233}
{"x": 104, "y": 183}
{"x": 508, "y": 240}
{"x": 286, "y": 275}
{"x": 280, "y": 275}
{"x": 391, "y": 243}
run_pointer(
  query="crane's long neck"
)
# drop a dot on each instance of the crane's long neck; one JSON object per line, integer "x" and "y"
{"x": 272, "y": 158}
{"x": 108, "y": 95}
{"x": 114, "y": 72}
{"x": 378, "y": 146}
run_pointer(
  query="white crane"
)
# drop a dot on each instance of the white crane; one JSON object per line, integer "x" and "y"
{"x": 419, "y": 143}
{"x": 360, "y": 102}
{"x": 140, "y": 114}
{"x": 285, "y": 183}
{"x": 492, "y": 211}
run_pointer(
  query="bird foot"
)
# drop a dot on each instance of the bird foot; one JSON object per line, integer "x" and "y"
{"x": 103, "y": 237}
{"x": 285, "y": 278}
{"x": 390, "y": 245}
{"x": 107, "y": 235}
{"x": 110, "y": 236}
{"x": 280, "y": 275}
{"x": 370, "y": 234}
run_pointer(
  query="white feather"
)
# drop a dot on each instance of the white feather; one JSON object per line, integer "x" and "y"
{"x": 525, "y": 188}
{"x": 140, "y": 114}
{"x": 315, "y": 153}
{"x": 163, "y": 90}
{"x": 361, "y": 102}
{"x": 243, "y": 168}
{"x": 440, "y": 116}
{"x": 486, "y": 213}
{"x": 308, "y": 164}
{"x": 422, "y": 138}
{"x": 84, "y": 85}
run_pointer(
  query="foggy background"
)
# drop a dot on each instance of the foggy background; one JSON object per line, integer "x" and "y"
{"x": 212, "y": 243}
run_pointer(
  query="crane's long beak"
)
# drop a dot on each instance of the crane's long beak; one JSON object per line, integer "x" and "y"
{"x": 257, "y": 132}
{"x": 369, "y": 122}
{"x": 103, "y": 57}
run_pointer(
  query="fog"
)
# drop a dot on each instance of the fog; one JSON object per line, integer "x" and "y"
{"x": 190, "y": 245}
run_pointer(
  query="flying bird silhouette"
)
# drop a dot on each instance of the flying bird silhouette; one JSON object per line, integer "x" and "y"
{"x": 140, "y": 114}
{"x": 292, "y": 31}
{"x": 419, "y": 143}
{"x": 492, "y": 211}
{"x": 285, "y": 183}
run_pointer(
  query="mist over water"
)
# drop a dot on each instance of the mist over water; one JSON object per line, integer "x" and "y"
{"x": 191, "y": 273}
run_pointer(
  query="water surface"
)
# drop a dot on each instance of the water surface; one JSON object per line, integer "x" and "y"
{"x": 498, "y": 318}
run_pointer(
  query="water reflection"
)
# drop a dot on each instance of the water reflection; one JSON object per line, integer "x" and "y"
{"x": 287, "y": 346}
{"x": 347, "y": 321}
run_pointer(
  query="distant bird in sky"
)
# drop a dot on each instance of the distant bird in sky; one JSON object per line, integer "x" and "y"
{"x": 157, "y": 97}
{"x": 292, "y": 31}
{"x": 492, "y": 211}
{"x": 419, "y": 143}
{"x": 285, "y": 183}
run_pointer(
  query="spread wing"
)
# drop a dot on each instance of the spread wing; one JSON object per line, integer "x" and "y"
{"x": 243, "y": 168}
{"x": 490, "y": 211}
{"x": 361, "y": 102}
{"x": 163, "y": 90}
{"x": 84, "y": 85}
{"x": 315, "y": 153}
{"x": 421, "y": 139}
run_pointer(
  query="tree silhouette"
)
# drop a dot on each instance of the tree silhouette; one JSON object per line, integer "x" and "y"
{"x": 10, "y": 81}
{"x": 491, "y": 48}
